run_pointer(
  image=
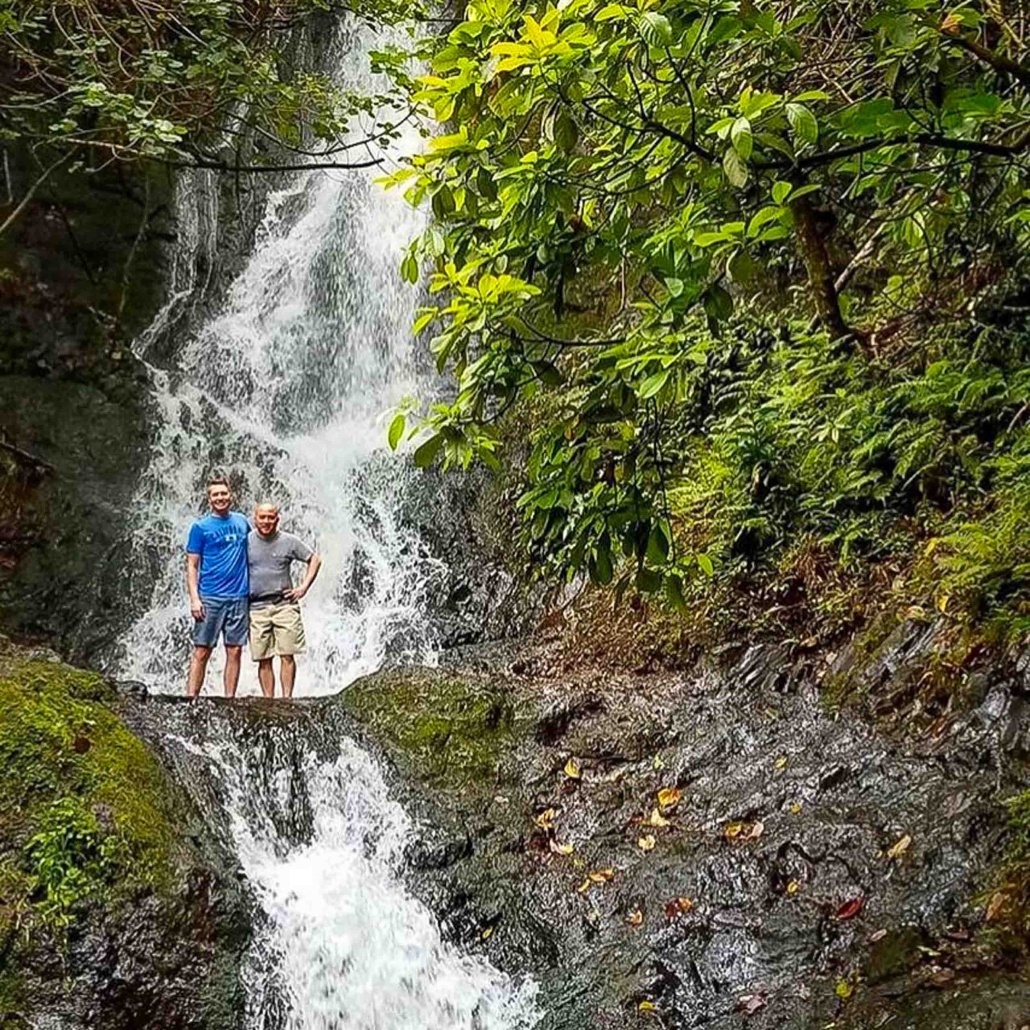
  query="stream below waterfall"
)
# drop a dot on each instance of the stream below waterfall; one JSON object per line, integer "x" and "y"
{"x": 286, "y": 388}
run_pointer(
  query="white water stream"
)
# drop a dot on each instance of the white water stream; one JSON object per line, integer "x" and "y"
{"x": 287, "y": 388}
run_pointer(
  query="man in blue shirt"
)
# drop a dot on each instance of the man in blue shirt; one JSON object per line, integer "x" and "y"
{"x": 218, "y": 585}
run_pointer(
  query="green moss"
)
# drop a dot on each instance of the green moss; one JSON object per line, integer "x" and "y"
{"x": 451, "y": 732}
{"x": 92, "y": 819}
{"x": 1011, "y": 898}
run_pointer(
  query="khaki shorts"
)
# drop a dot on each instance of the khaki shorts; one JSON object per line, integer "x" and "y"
{"x": 276, "y": 629}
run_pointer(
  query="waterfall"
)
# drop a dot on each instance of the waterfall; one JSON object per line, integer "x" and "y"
{"x": 287, "y": 387}
{"x": 341, "y": 945}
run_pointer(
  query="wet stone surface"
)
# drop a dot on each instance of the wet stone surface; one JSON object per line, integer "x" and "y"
{"x": 805, "y": 868}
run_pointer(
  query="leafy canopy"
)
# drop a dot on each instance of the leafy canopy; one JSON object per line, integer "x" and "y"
{"x": 96, "y": 82}
{"x": 684, "y": 234}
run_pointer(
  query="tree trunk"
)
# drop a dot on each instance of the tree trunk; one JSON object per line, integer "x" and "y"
{"x": 820, "y": 273}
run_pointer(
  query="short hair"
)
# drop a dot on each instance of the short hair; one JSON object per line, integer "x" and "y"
{"x": 218, "y": 479}
{"x": 266, "y": 504}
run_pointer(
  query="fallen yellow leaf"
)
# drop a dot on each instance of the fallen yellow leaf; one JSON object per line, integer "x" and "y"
{"x": 545, "y": 820}
{"x": 795, "y": 808}
{"x": 646, "y": 843}
{"x": 635, "y": 918}
{"x": 669, "y": 797}
{"x": 733, "y": 830}
{"x": 585, "y": 885}
{"x": 488, "y": 933}
{"x": 780, "y": 763}
{"x": 793, "y": 887}
{"x": 647, "y": 1006}
{"x": 572, "y": 769}
{"x": 996, "y": 905}
{"x": 657, "y": 819}
{"x": 560, "y": 849}
{"x": 900, "y": 847}
{"x": 601, "y": 875}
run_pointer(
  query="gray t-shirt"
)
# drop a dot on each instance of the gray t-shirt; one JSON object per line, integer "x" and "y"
{"x": 269, "y": 559}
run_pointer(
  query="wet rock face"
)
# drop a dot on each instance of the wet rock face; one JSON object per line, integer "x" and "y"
{"x": 714, "y": 848}
{"x": 119, "y": 908}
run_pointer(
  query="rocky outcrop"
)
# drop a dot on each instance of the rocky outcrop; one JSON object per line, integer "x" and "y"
{"x": 118, "y": 906}
{"x": 717, "y": 847}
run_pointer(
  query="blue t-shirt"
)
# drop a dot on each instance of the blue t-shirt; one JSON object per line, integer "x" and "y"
{"x": 221, "y": 542}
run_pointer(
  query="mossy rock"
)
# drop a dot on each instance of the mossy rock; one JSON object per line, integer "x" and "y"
{"x": 99, "y": 868}
{"x": 453, "y": 733}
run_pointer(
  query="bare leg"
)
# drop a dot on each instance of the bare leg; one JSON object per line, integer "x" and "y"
{"x": 232, "y": 668}
{"x": 266, "y": 677}
{"x": 287, "y": 673}
{"x": 198, "y": 666}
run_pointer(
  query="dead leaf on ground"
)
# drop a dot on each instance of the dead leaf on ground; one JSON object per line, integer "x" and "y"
{"x": 647, "y": 1006}
{"x": 780, "y": 763}
{"x": 657, "y": 819}
{"x": 669, "y": 797}
{"x": 545, "y": 820}
{"x": 560, "y": 849}
{"x": 749, "y": 1004}
{"x": 996, "y": 905}
{"x": 793, "y": 887}
{"x": 851, "y": 908}
{"x": 647, "y": 842}
{"x": 743, "y": 832}
{"x": 635, "y": 918}
{"x": 877, "y": 936}
{"x": 950, "y": 25}
{"x": 572, "y": 769}
{"x": 487, "y": 933}
{"x": 676, "y": 907}
{"x": 899, "y": 849}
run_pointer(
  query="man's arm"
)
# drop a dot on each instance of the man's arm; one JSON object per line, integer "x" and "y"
{"x": 314, "y": 564}
{"x": 192, "y": 576}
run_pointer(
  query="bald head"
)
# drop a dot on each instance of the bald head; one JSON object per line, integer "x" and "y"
{"x": 266, "y": 518}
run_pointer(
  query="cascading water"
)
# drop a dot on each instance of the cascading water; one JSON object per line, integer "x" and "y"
{"x": 286, "y": 388}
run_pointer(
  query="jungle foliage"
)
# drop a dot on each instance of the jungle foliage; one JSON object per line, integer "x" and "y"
{"x": 208, "y": 83}
{"x": 751, "y": 276}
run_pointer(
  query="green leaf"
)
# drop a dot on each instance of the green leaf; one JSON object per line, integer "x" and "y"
{"x": 409, "y": 268}
{"x": 674, "y": 593}
{"x": 652, "y": 384}
{"x": 648, "y": 581}
{"x": 734, "y": 167}
{"x": 443, "y": 202}
{"x": 760, "y": 218}
{"x": 655, "y": 28}
{"x": 396, "y": 431}
{"x": 566, "y": 132}
{"x": 741, "y": 138}
{"x": 485, "y": 184}
{"x": 425, "y": 318}
{"x": 426, "y": 453}
{"x": 718, "y": 303}
{"x": 803, "y": 123}
{"x": 780, "y": 191}
{"x": 657, "y": 546}
{"x": 705, "y": 564}
{"x": 602, "y": 570}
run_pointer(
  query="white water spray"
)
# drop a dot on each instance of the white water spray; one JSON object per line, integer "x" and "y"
{"x": 287, "y": 388}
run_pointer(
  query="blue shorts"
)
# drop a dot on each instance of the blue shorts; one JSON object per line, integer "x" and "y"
{"x": 225, "y": 617}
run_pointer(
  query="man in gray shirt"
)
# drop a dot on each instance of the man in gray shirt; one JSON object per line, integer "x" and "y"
{"x": 275, "y": 623}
